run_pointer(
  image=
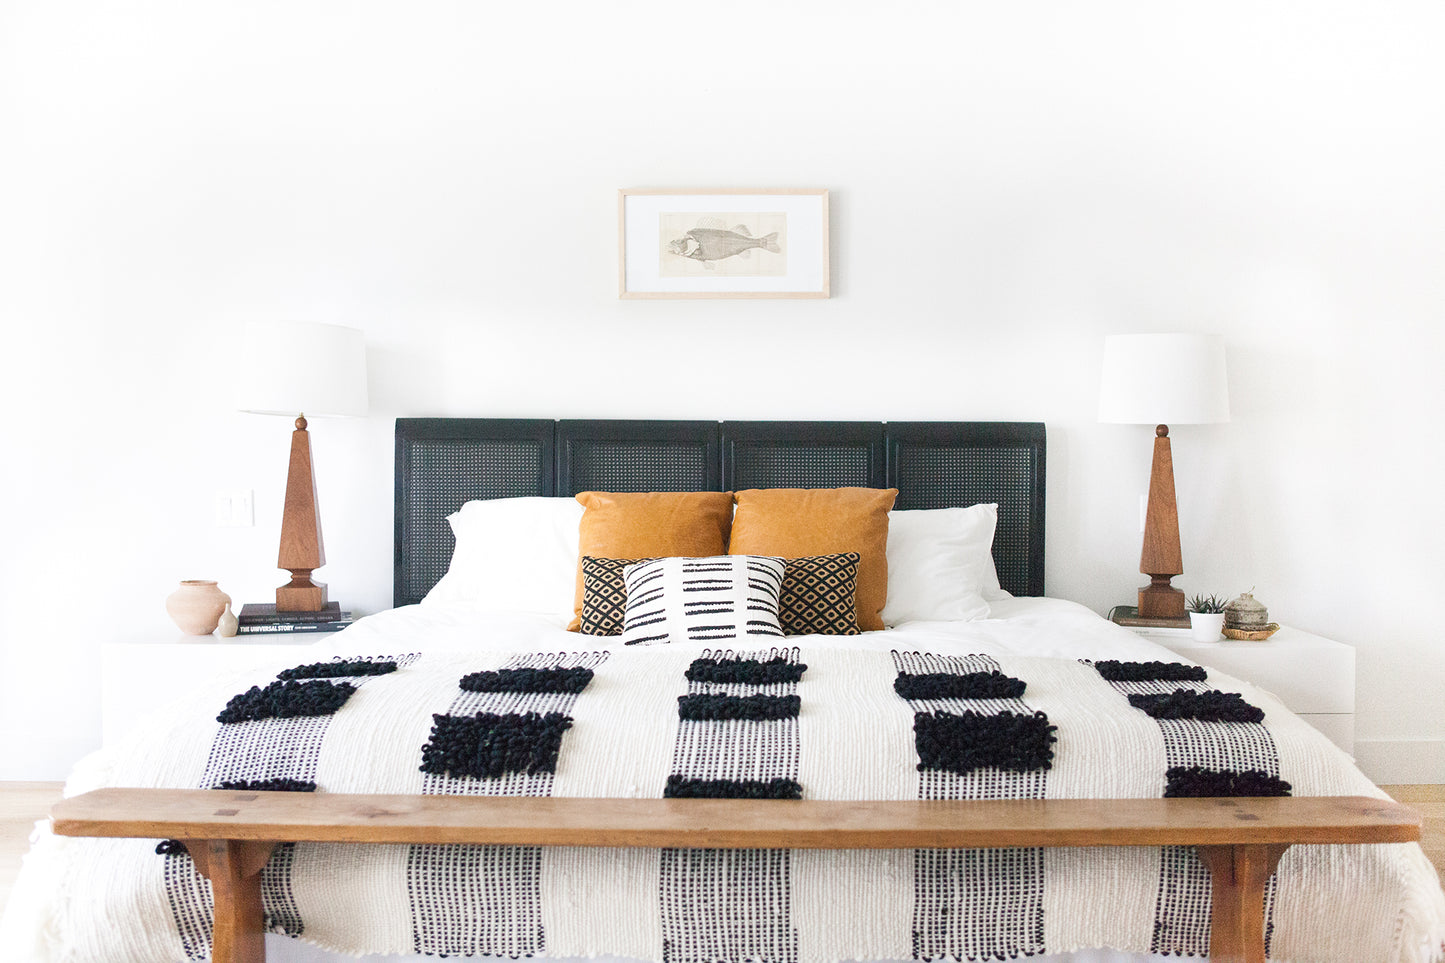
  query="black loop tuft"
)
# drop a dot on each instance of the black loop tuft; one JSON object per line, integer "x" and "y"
{"x": 554, "y": 679}
{"x": 681, "y": 787}
{"x": 334, "y": 670}
{"x": 1116, "y": 671}
{"x": 967, "y": 741}
{"x": 1208, "y": 706}
{"x": 969, "y": 685}
{"x": 1199, "y": 782}
{"x": 488, "y": 745}
{"x": 697, "y": 708}
{"x": 283, "y": 700}
{"x": 774, "y": 671}
{"x": 278, "y": 784}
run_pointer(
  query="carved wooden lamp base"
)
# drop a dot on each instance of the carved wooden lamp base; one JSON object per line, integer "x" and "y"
{"x": 301, "y": 594}
{"x": 1160, "y": 557}
{"x": 1160, "y": 600}
{"x": 302, "y": 550}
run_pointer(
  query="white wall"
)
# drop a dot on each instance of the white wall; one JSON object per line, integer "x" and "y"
{"x": 1010, "y": 183}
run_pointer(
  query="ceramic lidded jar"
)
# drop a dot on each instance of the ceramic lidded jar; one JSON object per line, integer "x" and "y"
{"x": 1246, "y": 613}
{"x": 197, "y": 605}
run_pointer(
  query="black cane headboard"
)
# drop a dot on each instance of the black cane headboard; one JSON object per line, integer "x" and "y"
{"x": 443, "y": 462}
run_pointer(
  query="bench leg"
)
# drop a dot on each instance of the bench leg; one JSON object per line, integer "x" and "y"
{"x": 234, "y": 868}
{"x": 1238, "y": 877}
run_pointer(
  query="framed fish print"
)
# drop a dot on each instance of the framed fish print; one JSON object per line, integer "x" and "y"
{"x": 728, "y": 243}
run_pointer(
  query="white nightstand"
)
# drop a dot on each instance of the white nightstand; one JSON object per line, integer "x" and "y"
{"x": 1313, "y": 676}
{"x": 130, "y": 670}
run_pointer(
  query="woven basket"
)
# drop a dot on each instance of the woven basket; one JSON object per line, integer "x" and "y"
{"x": 1251, "y": 635}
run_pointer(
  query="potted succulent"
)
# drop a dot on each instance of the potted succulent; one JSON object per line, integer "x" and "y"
{"x": 1206, "y": 617}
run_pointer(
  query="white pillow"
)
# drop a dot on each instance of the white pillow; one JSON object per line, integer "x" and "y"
{"x": 514, "y": 554}
{"x": 718, "y": 599}
{"x": 940, "y": 565}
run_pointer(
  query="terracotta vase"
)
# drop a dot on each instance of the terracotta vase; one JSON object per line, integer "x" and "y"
{"x": 197, "y": 606}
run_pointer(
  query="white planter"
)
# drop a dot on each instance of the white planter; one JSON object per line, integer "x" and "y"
{"x": 1206, "y": 627}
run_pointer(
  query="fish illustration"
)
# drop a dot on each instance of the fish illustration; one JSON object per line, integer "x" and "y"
{"x": 709, "y": 244}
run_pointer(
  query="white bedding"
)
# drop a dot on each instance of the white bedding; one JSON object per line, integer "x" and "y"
{"x": 1044, "y": 628}
{"x": 1048, "y": 628}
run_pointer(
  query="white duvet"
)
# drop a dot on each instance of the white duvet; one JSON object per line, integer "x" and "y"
{"x": 53, "y": 896}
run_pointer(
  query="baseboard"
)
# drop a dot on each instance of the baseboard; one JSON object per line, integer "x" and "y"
{"x": 1410, "y": 761}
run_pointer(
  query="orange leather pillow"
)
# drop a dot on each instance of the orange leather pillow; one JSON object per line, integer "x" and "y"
{"x": 798, "y": 522}
{"x": 651, "y": 525}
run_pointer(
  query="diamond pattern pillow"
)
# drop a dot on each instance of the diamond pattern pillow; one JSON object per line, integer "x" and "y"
{"x": 716, "y": 599}
{"x": 604, "y": 594}
{"x": 820, "y": 595}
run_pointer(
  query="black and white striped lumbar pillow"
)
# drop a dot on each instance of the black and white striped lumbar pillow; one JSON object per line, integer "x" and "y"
{"x": 702, "y": 599}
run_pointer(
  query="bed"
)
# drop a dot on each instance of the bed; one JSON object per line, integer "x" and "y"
{"x": 1063, "y": 711}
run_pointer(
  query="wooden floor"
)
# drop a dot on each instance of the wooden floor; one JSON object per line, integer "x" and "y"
{"x": 1430, "y": 800}
{"x": 21, "y": 803}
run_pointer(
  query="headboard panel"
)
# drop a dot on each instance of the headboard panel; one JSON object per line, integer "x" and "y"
{"x": 943, "y": 464}
{"x": 443, "y": 462}
{"x": 637, "y": 456}
{"x": 802, "y": 454}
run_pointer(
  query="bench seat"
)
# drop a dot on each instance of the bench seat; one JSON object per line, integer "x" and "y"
{"x": 230, "y": 835}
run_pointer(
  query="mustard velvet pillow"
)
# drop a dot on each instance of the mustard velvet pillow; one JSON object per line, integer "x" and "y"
{"x": 650, "y": 525}
{"x": 799, "y": 522}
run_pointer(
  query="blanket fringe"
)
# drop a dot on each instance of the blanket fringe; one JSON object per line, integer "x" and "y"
{"x": 1420, "y": 927}
{"x": 29, "y": 926}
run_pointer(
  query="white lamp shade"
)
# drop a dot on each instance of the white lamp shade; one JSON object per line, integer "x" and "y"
{"x": 301, "y": 367}
{"x": 1164, "y": 379}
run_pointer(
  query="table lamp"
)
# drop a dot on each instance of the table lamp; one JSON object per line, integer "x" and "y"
{"x": 298, "y": 369}
{"x": 1159, "y": 379}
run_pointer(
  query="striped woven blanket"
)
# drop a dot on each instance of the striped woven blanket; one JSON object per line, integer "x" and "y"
{"x": 821, "y": 723}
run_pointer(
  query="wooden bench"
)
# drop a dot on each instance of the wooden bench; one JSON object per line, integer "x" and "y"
{"x": 230, "y": 835}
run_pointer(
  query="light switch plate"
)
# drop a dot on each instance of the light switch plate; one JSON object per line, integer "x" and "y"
{"x": 235, "y": 508}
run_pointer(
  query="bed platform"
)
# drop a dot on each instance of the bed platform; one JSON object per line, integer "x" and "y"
{"x": 442, "y": 463}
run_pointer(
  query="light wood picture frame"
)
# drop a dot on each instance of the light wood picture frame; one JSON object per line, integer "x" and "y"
{"x": 722, "y": 243}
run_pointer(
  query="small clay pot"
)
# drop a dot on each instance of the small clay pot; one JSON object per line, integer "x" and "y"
{"x": 197, "y": 605}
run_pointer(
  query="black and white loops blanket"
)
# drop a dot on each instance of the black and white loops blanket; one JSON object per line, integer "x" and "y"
{"x": 1215, "y": 743}
{"x": 840, "y": 722}
{"x": 270, "y": 737}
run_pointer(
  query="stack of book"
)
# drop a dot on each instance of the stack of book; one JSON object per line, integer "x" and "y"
{"x": 1128, "y": 616}
{"x": 257, "y": 618}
